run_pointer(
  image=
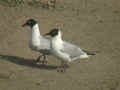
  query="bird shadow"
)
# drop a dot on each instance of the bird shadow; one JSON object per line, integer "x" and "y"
{"x": 26, "y": 62}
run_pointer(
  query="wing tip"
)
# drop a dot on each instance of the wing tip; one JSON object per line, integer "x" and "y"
{"x": 91, "y": 54}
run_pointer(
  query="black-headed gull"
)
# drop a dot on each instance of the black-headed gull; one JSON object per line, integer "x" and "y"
{"x": 37, "y": 42}
{"x": 64, "y": 51}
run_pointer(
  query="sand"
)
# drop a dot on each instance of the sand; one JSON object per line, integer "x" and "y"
{"x": 93, "y": 25}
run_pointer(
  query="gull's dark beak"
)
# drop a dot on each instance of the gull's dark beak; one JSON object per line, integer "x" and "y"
{"x": 47, "y": 34}
{"x": 24, "y": 25}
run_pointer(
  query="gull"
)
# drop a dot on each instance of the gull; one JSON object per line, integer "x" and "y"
{"x": 37, "y": 42}
{"x": 64, "y": 51}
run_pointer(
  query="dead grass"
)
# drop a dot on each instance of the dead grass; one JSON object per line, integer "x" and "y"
{"x": 33, "y": 3}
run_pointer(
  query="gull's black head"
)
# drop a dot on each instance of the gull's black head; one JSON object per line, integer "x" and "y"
{"x": 30, "y": 22}
{"x": 54, "y": 32}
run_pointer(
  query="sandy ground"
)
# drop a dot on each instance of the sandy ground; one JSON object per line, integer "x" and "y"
{"x": 93, "y": 25}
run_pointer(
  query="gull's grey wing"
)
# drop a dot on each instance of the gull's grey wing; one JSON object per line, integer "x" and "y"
{"x": 44, "y": 46}
{"x": 73, "y": 50}
{"x": 44, "y": 43}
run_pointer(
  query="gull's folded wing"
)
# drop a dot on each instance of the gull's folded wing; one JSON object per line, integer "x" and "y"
{"x": 44, "y": 43}
{"x": 74, "y": 51}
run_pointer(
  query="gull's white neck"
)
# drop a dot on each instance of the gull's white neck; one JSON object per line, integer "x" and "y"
{"x": 57, "y": 42}
{"x": 58, "y": 37}
{"x": 35, "y": 30}
{"x": 35, "y": 36}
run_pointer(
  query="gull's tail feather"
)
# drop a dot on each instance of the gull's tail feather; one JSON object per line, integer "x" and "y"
{"x": 84, "y": 56}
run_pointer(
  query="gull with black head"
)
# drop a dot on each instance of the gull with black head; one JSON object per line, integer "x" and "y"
{"x": 37, "y": 42}
{"x": 64, "y": 51}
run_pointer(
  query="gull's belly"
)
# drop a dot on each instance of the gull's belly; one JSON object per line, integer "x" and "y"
{"x": 60, "y": 55}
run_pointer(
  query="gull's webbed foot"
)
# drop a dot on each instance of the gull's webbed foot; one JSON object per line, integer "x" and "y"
{"x": 63, "y": 67}
{"x": 42, "y": 62}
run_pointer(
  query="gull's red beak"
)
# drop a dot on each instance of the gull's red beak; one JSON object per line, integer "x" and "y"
{"x": 24, "y": 25}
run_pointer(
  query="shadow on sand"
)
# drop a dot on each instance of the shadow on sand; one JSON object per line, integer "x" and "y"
{"x": 26, "y": 62}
